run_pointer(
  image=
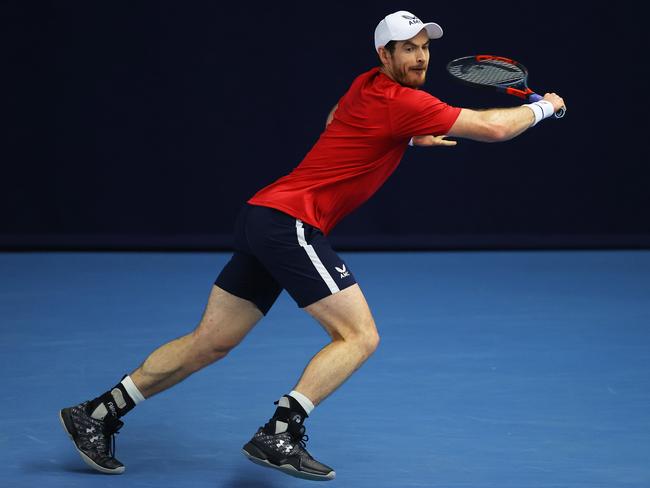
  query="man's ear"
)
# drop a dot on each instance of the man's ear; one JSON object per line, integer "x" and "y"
{"x": 384, "y": 55}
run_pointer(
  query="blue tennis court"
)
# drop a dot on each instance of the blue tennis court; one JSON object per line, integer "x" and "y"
{"x": 496, "y": 369}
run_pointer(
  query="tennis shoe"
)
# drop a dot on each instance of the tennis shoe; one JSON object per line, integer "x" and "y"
{"x": 286, "y": 452}
{"x": 94, "y": 439}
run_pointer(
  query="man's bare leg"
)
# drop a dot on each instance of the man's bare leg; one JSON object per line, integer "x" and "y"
{"x": 347, "y": 319}
{"x": 226, "y": 321}
{"x": 91, "y": 425}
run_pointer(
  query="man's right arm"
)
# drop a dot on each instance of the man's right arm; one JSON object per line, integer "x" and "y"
{"x": 498, "y": 124}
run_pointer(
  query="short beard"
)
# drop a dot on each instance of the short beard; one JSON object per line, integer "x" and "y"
{"x": 403, "y": 80}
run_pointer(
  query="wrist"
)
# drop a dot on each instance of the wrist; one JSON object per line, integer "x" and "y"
{"x": 541, "y": 109}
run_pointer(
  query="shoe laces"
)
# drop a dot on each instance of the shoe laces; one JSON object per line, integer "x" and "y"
{"x": 303, "y": 441}
{"x": 110, "y": 429}
{"x": 298, "y": 435}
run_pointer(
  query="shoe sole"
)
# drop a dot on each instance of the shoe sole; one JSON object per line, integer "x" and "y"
{"x": 289, "y": 469}
{"x": 85, "y": 458}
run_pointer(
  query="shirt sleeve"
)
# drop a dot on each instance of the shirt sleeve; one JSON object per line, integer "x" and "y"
{"x": 416, "y": 112}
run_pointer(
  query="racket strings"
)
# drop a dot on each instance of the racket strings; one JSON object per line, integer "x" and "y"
{"x": 491, "y": 72}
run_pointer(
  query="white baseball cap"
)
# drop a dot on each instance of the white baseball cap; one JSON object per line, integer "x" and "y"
{"x": 403, "y": 25}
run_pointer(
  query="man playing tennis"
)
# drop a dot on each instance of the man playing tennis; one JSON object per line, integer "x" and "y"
{"x": 280, "y": 244}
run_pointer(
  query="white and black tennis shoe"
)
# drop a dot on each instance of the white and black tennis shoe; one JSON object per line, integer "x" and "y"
{"x": 286, "y": 452}
{"x": 94, "y": 439}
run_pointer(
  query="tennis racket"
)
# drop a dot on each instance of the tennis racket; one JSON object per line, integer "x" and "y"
{"x": 503, "y": 74}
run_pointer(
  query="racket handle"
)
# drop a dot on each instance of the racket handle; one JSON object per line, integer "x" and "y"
{"x": 534, "y": 97}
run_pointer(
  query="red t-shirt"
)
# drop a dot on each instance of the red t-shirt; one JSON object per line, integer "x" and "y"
{"x": 358, "y": 150}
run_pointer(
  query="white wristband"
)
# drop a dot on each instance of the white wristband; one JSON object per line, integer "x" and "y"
{"x": 411, "y": 142}
{"x": 542, "y": 109}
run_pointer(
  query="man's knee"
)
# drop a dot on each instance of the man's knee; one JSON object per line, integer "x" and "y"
{"x": 346, "y": 316}
{"x": 364, "y": 336}
{"x": 209, "y": 347}
{"x": 370, "y": 338}
{"x": 374, "y": 341}
{"x": 212, "y": 348}
{"x": 225, "y": 322}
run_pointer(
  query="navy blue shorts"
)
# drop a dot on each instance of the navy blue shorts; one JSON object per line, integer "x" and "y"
{"x": 275, "y": 251}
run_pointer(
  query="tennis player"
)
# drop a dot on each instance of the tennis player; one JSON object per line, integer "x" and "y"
{"x": 280, "y": 243}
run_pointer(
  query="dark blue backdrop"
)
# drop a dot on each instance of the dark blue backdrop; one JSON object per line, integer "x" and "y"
{"x": 147, "y": 124}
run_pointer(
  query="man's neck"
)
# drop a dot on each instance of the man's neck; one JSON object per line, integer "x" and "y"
{"x": 382, "y": 69}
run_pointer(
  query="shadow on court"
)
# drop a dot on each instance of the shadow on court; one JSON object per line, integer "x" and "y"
{"x": 71, "y": 465}
{"x": 246, "y": 479}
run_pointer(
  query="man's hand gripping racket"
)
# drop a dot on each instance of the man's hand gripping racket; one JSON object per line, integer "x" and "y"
{"x": 503, "y": 74}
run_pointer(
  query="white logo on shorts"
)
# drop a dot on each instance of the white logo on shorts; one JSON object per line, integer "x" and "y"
{"x": 343, "y": 271}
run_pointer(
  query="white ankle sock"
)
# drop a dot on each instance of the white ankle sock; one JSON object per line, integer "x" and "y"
{"x": 132, "y": 390}
{"x": 305, "y": 402}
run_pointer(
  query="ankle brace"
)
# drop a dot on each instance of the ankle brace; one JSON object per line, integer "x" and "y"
{"x": 116, "y": 402}
{"x": 288, "y": 416}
